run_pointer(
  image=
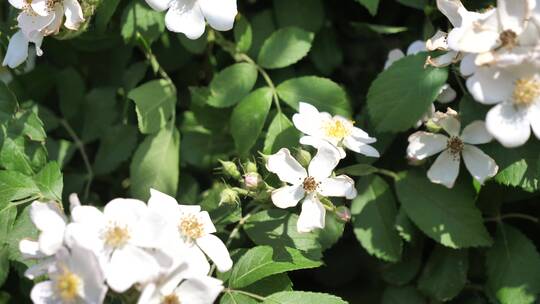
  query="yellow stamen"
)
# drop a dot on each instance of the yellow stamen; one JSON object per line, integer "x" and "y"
{"x": 337, "y": 129}
{"x": 310, "y": 184}
{"x": 116, "y": 236}
{"x": 526, "y": 91}
{"x": 67, "y": 285}
{"x": 171, "y": 299}
{"x": 191, "y": 227}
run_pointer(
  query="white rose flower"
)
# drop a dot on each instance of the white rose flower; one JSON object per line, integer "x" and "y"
{"x": 191, "y": 227}
{"x": 74, "y": 277}
{"x": 308, "y": 185}
{"x": 445, "y": 169}
{"x": 30, "y": 250}
{"x": 46, "y": 15}
{"x": 121, "y": 237}
{"x": 515, "y": 92}
{"x": 337, "y": 130}
{"x": 188, "y": 16}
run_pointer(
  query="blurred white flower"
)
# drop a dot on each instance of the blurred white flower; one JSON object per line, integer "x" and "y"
{"x": 17, "y": 51}
{"x": 515, "y": 92}
{"x": 321, "y": 127}
{"x": 175, "y": 287}
{"x": 74, "y": 277}
{"x": 51, "y": 222}
{"x": 445, "y": 169}
{"x": 121, "y": 237}
{"x": 188, "y": 16}
{"x": 193, "y": 228}
{"x": 308, "y": 185}
{"x": 46, "y": 16}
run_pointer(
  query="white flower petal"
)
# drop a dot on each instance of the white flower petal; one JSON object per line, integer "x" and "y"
{"x": 452, "y": 9}
{"x": 490, "y": 85}
{"x": 41, "y": 7}
{"x": 17, "y": 51}
{"x": 445, "y": 169}
{"x": 307, "y": 120}
{"x": 87, "y": 215}
{"x": 220, "y": 14}
{"x": 196, "y": 261}
{"x": 47, "y": 216}
{"x": 39, "y": 269}
{"x": 340, "y": 186}
{"x": 128, "y": 266}
{"x": 476, "y": 133}
{"x": 204, "y": 218}
{"x": 449, "y": 123}
{"x": 86, "y": 266}
{"x": 84, "y": 235}
{"x": 416, "y": 47}
{"x": 513, "y": 14}
{"x": 214, "y": 248}
{"x": 164, "y": 205}
{"x": 30, "y": 249}
{"x": 312, "y": 215}
{"x": 159, "y": 5}
{"x": 51, "y": 240}
{"x": 423, "y": 144}
{"x": 286, "y": 167}
{"x": 125, "y": 211}
{"x": 43, "y": 293}
{"x": 149, "y": 232}
{"x": 324, "y": 162}
{"x": 18, "y": 4}
{"x": 447, "y": 94}
{"x": 393, "y": 56}
{"x": 199, "y": 290}
{"x": 479, "y": 164}
{"x": 185, "y": 17}
{"x": 359, "y": 147}
{"x": 362, "y": 136}
{"x": 33, "y": 22}
{"x": 74, "y": 14}
{"x": 508, "y": 125}
{"x": 437, "y": 42}
{"x": 534, "y": 118}
{"x": 288, "y": 196}
{"x": 467, "y": 66}
{"x": 469, "y": 39}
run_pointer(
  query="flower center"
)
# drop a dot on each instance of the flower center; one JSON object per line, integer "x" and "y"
{"x": 310, "y": 184}
{"x": 336, "y": 128}
{"x": 191, "y": 227}
{"x": 455, "y": 145}
{"x": 171, "y": 299}
{"x": 508, "y": 39}
{"x": 526, "y": 91}
{"x": 67, "y": 285}
{"x": 116, "y": 236}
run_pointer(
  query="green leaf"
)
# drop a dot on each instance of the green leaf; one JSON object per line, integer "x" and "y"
{"x": 513, "y": 267}
{"x": 155, "y": 164}
{"x": 445, "y": 273}
{"x": 281, "y": 134}
{"x": 22, "y": 228}
{"x": 371, "y": 5}
{"x": 71, "y": 92}
{"x": 232, "y": 84}
{"x": 269, "y": 285}
{"x": 402, "y": 94}
{"x": 8, "y": 103}
{"x": 263, "y": 261}
{"x": 406, "y": 229}
{"x": 358, "y": 170}
{"x": 155, "y": 102}
{"x": 373, "y": 216}
{"x": 139, "y": 18}
{"x": 323, "y": 93}
{"x": 332, "y": 232}
{"x": 263, "y": 26}
{"x": 368, "y": 29}
{"x": 4, "y": 264}
{"x": 285, "y": 47}
{"x": 15, "y": 186}
{"x": 104, "y": 13}
{"x": 116, "y": 147}
{"x": 248, "y": 117}
{"x": 50, "y": 182}
{"x": 326, "y": 54}
{"x": 448, "y": 216}
{"x": 302, "y": 297}
{"x": 99, "y": 113}
{"x": 305, "y": 14}
{"x": 60, "y": 151}
{"x": 404, "y": 271}
{"x": 231, "y": 297}
{"x": 28, "y": 124}
{"x": 243, "y": 34}
{"x": 277, "y": 228}
{"x": 401, "y": 295}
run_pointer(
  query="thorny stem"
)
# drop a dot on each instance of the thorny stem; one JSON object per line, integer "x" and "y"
{"x": 249, "y": 294}
{"x": 512, "y": 216}
{"x": 80, "y": 146}
{"x": 238, "y": 56}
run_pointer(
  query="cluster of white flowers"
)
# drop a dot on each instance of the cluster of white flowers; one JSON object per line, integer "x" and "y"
{"x": 37, "y": 19}
{"x": 157, "y": 249}
{"x": 499, "y": 50}
{"x": 329, "y": 135}
{"x": 188, "y": 16}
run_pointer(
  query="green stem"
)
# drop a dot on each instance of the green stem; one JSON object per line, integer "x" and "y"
{"x": 388, "y": 173}
{"x": 21, "y": 202}
{"x": 249, "y": 294}
{"x": 499, "y": 218}
{"x": 80, "y": 146}
{"x": 153, "y": 60}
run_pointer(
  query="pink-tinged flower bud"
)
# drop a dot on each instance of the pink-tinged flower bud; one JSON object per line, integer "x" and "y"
{"x": 343, "y": 213}
{"x": 252, "y": 180}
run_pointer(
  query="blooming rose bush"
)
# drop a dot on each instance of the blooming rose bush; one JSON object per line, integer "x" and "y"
{"x": 274, "y": 152}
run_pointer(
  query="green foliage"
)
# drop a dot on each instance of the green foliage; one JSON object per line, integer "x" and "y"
{"x": 285, "y": 47}
{"x": 226, "y": 93}
{"x": 299, "y": 297}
